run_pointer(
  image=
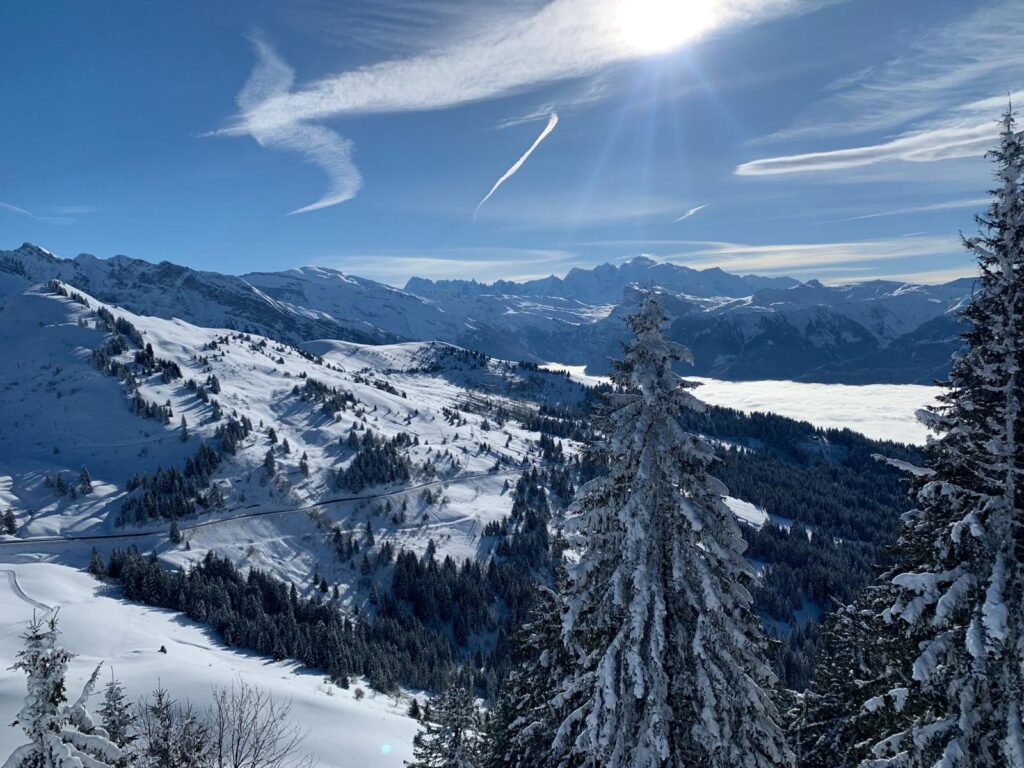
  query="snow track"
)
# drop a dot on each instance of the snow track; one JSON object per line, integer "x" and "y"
{"x": 12, "y": 579}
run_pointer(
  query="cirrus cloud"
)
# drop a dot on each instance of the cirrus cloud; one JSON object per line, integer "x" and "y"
{"x": 559, "y": 41}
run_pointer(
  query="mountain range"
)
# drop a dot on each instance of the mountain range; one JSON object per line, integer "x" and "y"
{"x": 739, "y": 327}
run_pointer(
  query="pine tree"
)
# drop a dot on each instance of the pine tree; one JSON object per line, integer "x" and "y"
{"x": 8, "y": 524}
{"x": 170, "y": 736}
{"x": 184, "y": 429}
{"x": 450, "y": 730}
{"x": 97, "y": 567}
{"x": 961, "y": 572}
{"x": 670, "y": 667}
{"x": 118, "y": 720}
{"x": 175, "y": 533}
{"x": 60, "y": 736}
{"x": 84, "y": 482}
{"x": 270, "y": 463}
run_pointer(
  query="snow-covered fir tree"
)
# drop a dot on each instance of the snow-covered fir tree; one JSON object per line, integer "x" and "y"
{"x": 449, "y": 734}
{"x": 961, "y": 572}
{"x": 118, "y": 719}
{"x": 170, "y": 735}
{"x": 670, "y": 658}
{"x": 60, "y": 735}
{"x": 84, "y": 482}
{"x": 859, "y": 686}
{"x": 523, "y": 724}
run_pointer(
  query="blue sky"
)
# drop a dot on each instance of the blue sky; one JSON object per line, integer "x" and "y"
{"x": 817, "y": 138}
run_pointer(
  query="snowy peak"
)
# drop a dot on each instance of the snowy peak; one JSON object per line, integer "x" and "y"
{"x": 741, "y": 326}
{"x": 606, "y": 283}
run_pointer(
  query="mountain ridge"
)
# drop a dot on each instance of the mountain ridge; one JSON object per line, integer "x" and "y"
{"x": 739, "y": 327}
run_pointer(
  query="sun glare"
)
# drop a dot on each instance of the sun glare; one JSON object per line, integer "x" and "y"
{"x": 656, "y": 26}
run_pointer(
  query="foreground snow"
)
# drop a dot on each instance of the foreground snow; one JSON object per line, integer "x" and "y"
{"x": 372, "y": 733}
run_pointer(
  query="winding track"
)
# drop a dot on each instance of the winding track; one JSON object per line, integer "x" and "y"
{"x": 12, "y": 578}
{"x": 259, "y": 513}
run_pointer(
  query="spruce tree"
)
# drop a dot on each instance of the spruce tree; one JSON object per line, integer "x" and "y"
{"x": 670, "y": 666}
{"x": 60, "y": 736}
{"x": 450, "y": 730}
{"x": 184, "y": 429}
{"x": 960, "y": 609}
{"x": 859, "y": 686}
{"x": 8, "y": 524}
{"x": 118, "y": 720}
{"x": 170, "y": 736}
{"x": 84, "y": 482}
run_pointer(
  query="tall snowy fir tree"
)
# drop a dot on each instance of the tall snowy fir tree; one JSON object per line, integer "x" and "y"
{"x": 670, "y": 663}
{"x": 118, "y": 720}
{"x": 60, "y": 735}
{"x": 961, "y": 576}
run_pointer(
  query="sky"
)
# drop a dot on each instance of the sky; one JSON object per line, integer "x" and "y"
{"x": 841, "y": 140}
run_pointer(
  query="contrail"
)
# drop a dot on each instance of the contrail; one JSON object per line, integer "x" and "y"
{"x": 552, "y": 122}
{"x": 692, "y": 212}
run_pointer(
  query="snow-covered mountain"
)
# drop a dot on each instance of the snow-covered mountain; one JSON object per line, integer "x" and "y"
{"x": 739, "y": 327}
{"x": 62, "y": 412}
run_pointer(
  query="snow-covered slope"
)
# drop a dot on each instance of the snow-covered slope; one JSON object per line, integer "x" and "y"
{"x": 342, "y": 731}
{"x": 61, "y": 414}
{"x": 171, "y": 291}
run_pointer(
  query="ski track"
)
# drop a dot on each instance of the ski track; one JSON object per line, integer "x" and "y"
{"x": 12, "y": 579}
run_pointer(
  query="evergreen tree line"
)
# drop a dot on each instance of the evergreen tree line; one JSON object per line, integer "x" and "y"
{"x": 260, "y": 613}
{"x": 332, "y": 399}
{"x": 171, "y": 493}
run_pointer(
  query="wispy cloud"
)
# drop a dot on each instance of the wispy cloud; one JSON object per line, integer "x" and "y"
{"x": 969, "y": 131}
{"x": 791, "y": 257}
{"x": 949, "y": 205}
{"x": 928, "y": 277}
{"x": 558, "y": 41}
{"x": 938, "y": 100}
{"x": 271, "y": 78}
{"x": 64, "y": 220}
{"x": 592, "y": 91}
{"x": 552, "y": 122}
{"x": 977, "y": 54}
{"x": 481, "y": 263}
{"x": 692, "y": 212}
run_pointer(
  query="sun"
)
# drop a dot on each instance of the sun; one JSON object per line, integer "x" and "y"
{"x": 656, "y": 26}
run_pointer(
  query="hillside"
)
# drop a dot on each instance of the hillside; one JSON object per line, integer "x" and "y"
{"x": 341, "y": 730}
